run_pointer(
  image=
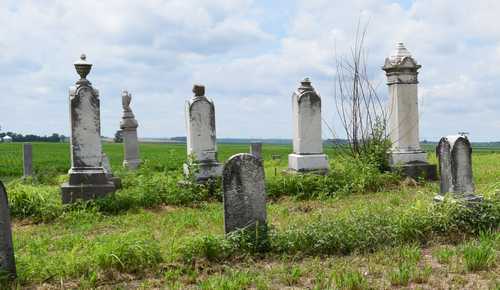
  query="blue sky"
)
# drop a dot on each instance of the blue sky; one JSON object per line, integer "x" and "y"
{"x": 250, "y": 54}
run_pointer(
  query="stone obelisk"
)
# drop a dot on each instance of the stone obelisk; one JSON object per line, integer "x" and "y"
{"x": 129, "y": 128}
{"x": 406, "y": 154}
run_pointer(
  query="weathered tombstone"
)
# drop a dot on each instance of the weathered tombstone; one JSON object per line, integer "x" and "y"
{"x": 454, "y": 154}
{"x": 7, "y": 261}
{"x": 307, "y": 153}
{"x": 405, "y": 155}
{"x": 129, "y": 128}
{"x": 109, "y": 172}
{"x": 256, "y": 149}
{"x": 87, "y": 178}
{"x": 201, "y": 137}
{"x": 27, "y": 159}
{"x": 244, "y": 193}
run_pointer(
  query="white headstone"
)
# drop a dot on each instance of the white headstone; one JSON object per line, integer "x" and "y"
{"x": 201, "y": 137}
{"x": 307, "y": 141}
{"x": 243, "y": 182}
{"x": 129, "y": 128}
{"x": 87, "y": 178}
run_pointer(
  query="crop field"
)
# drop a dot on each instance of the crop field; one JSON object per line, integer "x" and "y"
{"x": 356, "y": 228}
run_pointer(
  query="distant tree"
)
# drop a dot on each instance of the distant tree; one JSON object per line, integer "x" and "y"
{"x": 118, "y": 136}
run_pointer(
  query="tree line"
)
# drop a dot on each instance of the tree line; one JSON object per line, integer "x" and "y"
{"x": 33, "y": 138}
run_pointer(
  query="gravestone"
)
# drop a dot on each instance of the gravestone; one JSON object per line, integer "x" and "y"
{"x": 129, "y": 126}
{"x": 109, "y": 172}
{"x": 454, "y": 154}
{"x": 7, "y": 261}
{"x": 405, "y": 155}
{"x": 243, "y": 182}
{"x": 307, "y": 153}
{"x": 201, "y": 137}
{"x": 256, "y": 149}
{"x": 87, "y": 178}
{"x": 27, "y": 159}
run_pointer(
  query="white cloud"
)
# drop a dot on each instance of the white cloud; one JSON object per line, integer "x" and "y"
{"x": 158, "y": 49}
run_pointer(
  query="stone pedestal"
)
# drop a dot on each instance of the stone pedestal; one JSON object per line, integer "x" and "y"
{"x": 307, "y": 143}
{"x": 405, "y": 155}
{"x": 455, "y": 167}
{"x": 129, "y": 129}
{"x": 87, "y": 177}
{"x": 201, "y": 137}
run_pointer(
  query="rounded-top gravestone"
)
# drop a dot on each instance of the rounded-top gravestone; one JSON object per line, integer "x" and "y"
{"x": 243, "y": 182}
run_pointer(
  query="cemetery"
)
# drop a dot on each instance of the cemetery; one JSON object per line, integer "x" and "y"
{"x": 206, "y": 215}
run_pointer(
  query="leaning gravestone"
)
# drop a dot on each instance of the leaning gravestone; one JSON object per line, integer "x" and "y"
{"x": 129, "y": 128}
{"x": 87, "y": 178}
{"x": 7, "y": 261}
{"x": 109, "y": 172}
{"x": 201, "y": 137}
{"x": 454, "y": 154}
{"x": 244, "y": 193}
{"x": 27, "y": 159}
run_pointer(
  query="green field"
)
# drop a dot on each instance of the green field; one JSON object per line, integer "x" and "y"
{"x": 356, "y": 228}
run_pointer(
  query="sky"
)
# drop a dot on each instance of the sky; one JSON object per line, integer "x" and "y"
{"x": 250, "y": 55}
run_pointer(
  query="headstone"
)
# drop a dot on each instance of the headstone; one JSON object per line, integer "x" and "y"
{"x": 307, "y": 141}
{"x": 405, "y": 155}
{"x": 454, "y": 154}
{"x": 256, "y": 149}
{"x": 87, "y": 178}
{"x": 129, "y": 128}
{"x": 201, "y": 137}
{"x": 7, "y": 261}
{"x": 109, "y": 172}
{"x": 243, "y": 182}
{"x": 27, "y": 159}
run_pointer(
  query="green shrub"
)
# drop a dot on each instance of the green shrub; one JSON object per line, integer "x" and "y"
{"x": 349, "y": 280}
{"x": 479, "y": 255}
{"x": 130, "y": 252}
{"x": 41, "y": 202}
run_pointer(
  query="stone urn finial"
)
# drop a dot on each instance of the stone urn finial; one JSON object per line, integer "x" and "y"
{"x": 199, "y": 90}
{"x": 82, "y": 66}
{"x": 400, "y": 53}
{"x": 305, "y": 85}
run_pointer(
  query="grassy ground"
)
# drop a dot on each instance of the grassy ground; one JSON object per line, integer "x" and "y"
{"x": 361, "y": 231}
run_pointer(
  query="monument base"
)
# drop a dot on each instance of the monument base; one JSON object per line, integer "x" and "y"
{"x": 404, "y": 157}
{"x": 86, "y": 184}
{"x": 203, "y": 171}
{"x": 132, "y": 164}
{"x": 417, "y": 169}
{"x": 308, "y": 163}
{"x": 461, "y": 197}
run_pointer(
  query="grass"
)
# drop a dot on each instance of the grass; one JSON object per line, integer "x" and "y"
{"x": 355, "y": 229}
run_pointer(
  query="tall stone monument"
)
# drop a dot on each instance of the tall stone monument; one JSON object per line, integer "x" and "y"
{"x": 402, "y": 71}
{"x": 201, "y": 137}
{"x": 7, "y": 261}
{"x": 244, "y": 187}
{"x": 87, "y": 177}
{"x": 129, "y": 128}
{"x": 307, "y": 153}
{"x": 454, "y": 154}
